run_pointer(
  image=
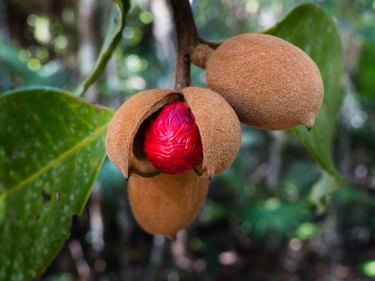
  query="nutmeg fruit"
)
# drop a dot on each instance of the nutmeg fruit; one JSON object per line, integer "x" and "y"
{"x": 270, "y": 83}
{"x": 165, "y": 204}
{"x": 218, "y": 125}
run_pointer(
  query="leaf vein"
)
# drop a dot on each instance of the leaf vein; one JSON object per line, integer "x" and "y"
{"x": 53, "y": 163}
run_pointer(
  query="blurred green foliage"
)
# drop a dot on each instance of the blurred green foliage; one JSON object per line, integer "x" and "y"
{"x": 364, "y": 75}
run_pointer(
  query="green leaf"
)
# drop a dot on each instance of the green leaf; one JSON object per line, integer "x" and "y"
{"x": 117, "y": 23}
{"x": 311, "y": 29}
{"x": 51, "y": 149}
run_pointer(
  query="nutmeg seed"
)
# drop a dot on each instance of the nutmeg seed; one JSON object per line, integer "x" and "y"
{"x": 172, "y": 141}
{"x": 165, "y": 203}
{"x": 270, "y": 83}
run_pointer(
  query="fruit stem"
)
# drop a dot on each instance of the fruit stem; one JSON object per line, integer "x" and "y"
{"x": 200, "y": 54}
{"x": 190, "y": 47}
{"x": 187, "y": 37}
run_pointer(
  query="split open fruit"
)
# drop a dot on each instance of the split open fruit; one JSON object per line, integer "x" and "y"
{"x": 153, "y": 133}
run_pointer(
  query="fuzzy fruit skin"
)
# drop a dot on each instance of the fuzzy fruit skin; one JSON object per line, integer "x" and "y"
{"x": 120, "y": 138}
{"x": 270, "y": 83}
{"x": 219, "y": 127}
{"x": 172, "y": 141}
{"x": 165, "y": 204}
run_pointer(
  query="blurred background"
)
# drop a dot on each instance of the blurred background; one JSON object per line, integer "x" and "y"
{"x": 258, "y": 223}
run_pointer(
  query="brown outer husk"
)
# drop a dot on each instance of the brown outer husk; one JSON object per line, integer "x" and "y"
{"x": 166, "y": 204}
{"x": 125, "y": 125}
{"x": 269, "y": 82}
{"x": 219, "y": 128}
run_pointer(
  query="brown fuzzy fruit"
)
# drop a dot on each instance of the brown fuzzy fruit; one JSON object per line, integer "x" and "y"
{"x": 270, "y": 83}
{"x": 217, "y": 122}
{"x": 165, "y": 203}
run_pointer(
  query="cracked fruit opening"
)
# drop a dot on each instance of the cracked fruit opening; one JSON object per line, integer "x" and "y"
{"x": 172, "y": 141}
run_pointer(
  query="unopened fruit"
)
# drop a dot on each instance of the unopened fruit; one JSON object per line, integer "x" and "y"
{"x": 270, "y": 83}
{"x": 165, "y": 204}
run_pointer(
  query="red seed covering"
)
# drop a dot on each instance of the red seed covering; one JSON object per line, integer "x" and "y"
{"x": 172, "y": 141}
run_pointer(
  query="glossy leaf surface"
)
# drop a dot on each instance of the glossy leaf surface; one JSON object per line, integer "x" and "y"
{"x": 51, "y": 149}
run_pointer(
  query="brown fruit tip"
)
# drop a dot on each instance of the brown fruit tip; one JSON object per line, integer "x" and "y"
{"x": 309, "y": 120}
{"x": 270, "y": 83}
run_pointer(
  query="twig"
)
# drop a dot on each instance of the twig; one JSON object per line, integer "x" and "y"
{"x": 187, "y": 38}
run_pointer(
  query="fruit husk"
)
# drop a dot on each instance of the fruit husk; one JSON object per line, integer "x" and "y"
{"x": 219, "y": 128}
{"x": 270, "y": 83}
{"x": 218, "y": 125}
{"x": 122, "y": 141}
{"x": 165, "y": 204}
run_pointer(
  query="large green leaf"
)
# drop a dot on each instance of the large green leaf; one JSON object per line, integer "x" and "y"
{"x": 51, "y": 149}
{"x": 114, "y": 32}
{"x": 311, "y": 29}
